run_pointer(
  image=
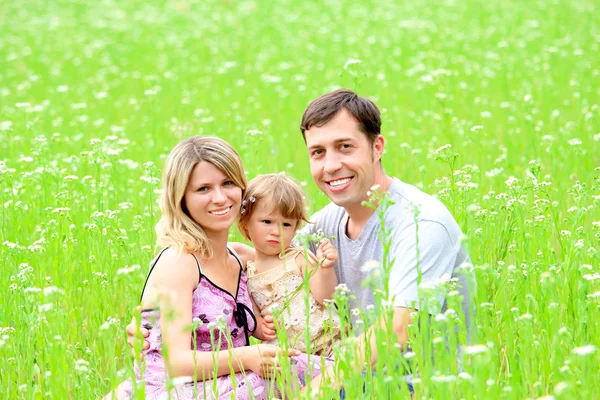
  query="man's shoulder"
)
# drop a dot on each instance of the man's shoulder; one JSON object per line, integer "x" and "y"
{"x": 329, "y": 212}
{"x": 412, "y": 204}
{"x": 327, "y": 217}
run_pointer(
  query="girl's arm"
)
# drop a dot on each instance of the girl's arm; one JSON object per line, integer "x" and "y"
{"x": 323, "y": 281}
{"x": 173, "y": 280}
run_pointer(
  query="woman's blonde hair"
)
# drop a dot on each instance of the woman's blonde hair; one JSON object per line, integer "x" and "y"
{"x": 176, "y": 227}
{"x": 277, "y": 192}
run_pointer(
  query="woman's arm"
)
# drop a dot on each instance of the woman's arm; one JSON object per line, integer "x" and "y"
{"x": 172, "y": 282}
{"x": 323, "y": 281}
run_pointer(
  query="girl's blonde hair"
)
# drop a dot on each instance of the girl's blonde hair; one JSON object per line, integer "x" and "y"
{"x": 277, "y": 192}
{"x": 176, "y": 227}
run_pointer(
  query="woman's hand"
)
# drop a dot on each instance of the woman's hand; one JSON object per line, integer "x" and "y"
{"x": 263, "y": 358}
{"x": 327, "y": 253}
{"x": 132, "y": 337}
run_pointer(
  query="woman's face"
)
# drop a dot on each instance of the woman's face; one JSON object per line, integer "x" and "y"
{"x": 212, "y": 198}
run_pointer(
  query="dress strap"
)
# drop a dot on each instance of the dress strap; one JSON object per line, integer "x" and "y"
{"x": 294, "y": 251}
{"x": 199, "y": 268}
{"x": 236, "y": 256}
{"x": 155, "y": 261}
{"x": 152, "y": 265}
{"x": 241, "y": 312}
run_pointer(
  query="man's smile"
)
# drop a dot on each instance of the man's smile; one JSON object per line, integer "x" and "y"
{"x": 337, "y": 185}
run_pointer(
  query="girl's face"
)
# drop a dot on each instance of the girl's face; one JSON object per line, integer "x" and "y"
{"x": 269, "y": 231}
{"x": 212, "y": 198}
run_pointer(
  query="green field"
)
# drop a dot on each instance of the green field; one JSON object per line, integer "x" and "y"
{"x": 94, "y": 94}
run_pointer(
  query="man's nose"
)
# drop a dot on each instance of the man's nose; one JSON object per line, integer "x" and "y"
{"x": 332, "y": 164}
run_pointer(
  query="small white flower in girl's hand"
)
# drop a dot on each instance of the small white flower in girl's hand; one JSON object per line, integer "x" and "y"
{"x": 327, "y": 252}
{"x": 319, "y": 235}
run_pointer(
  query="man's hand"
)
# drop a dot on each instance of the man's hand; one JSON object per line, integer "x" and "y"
{"x": 325, "y": 378}
{"x": 327, "y": 252}
{"x": 265, "y": 330}
{"x": 132, "y": 337}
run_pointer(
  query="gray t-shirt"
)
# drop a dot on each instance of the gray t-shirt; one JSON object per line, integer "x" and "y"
{"x": 440, "y": 253}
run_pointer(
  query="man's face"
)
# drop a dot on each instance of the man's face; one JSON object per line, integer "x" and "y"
{"x": 343, "y": 163}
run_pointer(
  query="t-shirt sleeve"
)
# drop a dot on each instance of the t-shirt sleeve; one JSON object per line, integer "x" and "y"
{"x": 435, "y": 258}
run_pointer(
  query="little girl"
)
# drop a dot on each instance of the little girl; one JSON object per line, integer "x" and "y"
{"x": 272, "y": 211}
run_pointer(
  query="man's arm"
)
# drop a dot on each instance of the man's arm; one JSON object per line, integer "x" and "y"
{"x": 400, "y": 323}
{"x": 425, "y": 249}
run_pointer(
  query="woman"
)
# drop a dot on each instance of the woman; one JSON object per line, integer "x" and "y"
{"x": 195, "y": 300}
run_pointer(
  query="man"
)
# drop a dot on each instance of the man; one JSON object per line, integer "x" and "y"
{"x": 342, "y": 132}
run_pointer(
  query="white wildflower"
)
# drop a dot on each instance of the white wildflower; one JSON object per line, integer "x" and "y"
{"x": 511, "y": 181}
{"x": 584, "y": 350}
{"x": 45, "y": 307}
{"x": 444, "y": 147}
{"x": 53, "y": 289}
{"x": 351, "y": 62}
{"x": 476, "y": 349}
{"x": 127, "y": 269}
{"x": 369, "y": 266}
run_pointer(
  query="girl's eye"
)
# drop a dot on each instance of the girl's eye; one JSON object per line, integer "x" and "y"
{"x": 267, "y": 221}
{"x": 287, "y": 224}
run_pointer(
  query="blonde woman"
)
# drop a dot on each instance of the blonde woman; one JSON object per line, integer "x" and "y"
{"x": 197, "y": 280}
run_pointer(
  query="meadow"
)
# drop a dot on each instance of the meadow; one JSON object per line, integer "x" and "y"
{"x": 493, "y": 106}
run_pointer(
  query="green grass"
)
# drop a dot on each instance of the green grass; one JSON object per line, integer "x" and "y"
{"x": 93, "y": 95}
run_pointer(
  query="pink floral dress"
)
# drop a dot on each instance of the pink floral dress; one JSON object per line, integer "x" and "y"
{"x": 224, "y": 321}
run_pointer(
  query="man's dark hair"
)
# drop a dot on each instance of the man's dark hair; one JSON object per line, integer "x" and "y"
{"x": 323, "y": 109}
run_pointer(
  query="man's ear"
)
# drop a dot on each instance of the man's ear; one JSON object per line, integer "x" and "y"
{"x": 378, "y": 147}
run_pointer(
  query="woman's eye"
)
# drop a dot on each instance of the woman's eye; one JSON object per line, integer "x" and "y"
{"x": 228, "y": 183}
{"x": 203, "y": 189}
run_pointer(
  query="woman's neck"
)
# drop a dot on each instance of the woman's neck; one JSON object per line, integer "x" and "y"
{"x": 218, "y": 242}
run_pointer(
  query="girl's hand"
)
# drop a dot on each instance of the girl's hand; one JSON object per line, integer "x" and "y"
{"x": 262, "y": 359}
{"x": 327, "y": 253}
{"x": 265, "y": 330}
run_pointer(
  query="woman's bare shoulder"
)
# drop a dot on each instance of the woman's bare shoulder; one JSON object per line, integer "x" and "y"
{"x": 175, "y": 269}
{"x": 245, "y": 252}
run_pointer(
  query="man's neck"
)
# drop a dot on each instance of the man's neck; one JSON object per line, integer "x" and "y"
{"x": 358, "y": 215}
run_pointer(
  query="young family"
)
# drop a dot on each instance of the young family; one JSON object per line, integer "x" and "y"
{"x": 204, "y": 297}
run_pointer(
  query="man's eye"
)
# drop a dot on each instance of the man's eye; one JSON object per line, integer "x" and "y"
{"x": 345, "y": 146}
{"x": 317, "y": 153}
